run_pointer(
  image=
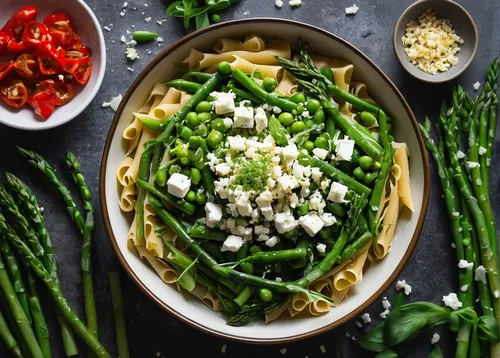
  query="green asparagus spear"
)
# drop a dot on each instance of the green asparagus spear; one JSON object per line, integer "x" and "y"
{"x": 119, "y": 313}
{"x": 8, "y": 339}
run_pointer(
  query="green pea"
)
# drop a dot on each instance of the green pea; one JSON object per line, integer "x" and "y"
{"x": 309, "y": 123}
{"x": 186, "y": 133}
{"x": 214, "y": 138}
{"x": 190, "y": 196}
{"x": 218, "y": 124}
{"x": 215, "y": 18}
{"x": 186, "y": 171}
{"x": 359, "y": 173}
{"x": 192, "y": 120}
{"x": 182, "y": 152}
{"x": 319, "y": 116}
{"x": 367, "y": 119}
{"x": 201, "y": 130}
{"x": 203, "y": 145}
{"x": 289, "y": 129}
{"x": 204, "y": 117}
{"x": 365, "y": 162}
{"x": 199, "y": 165}
{"x": 313, "y": 105}
{"x": 184, "y": 161}
{"x": 195, "y": 176}
{"x": 203, "y": 106}
{"x": 265, "y": 295}
{"x": 303, "y": 209}
{"x": 298, "y": 97}
{"x": 286, "y": 118}
{"x": 269, "y": 84}
{"x": 254, "y": 249}
{"x": 195, "y": 155}
{"x": 355, "y": 156}
{"x": 303, "y": 153}
{"x": 201, "y": 198}
{"x": 224, "y": 68}
{"x": 174, "y": 169}
{"x": 309, "y": 146}
{"x": 321, "y": 142}
{"x": 300, "y": 109}
{"x": 298, "y": 127}
{"x": 377, "y": 165}
{"x": 369, "y": 177}
{"x": 195, "y": 142}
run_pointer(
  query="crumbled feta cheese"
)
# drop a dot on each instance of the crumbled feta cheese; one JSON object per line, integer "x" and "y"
{"x": 290, "y": 152}
{"x": 316, "y": 174}
{"x": 464, "y": 288}
{"x": 148, "y": 19}
{"x": 482, "y": 150}
{"x": 480, "y": 274}
{"x": 344, "y": 149}
{"x": 496, "y": 294}
{"x": 465, "y": 264}
{"x": 352, "y": 10}
{"x": 278, "y": 3}
{"x": 122, "y": 14}
{"x": 460, "y": 154}
{"x": 131, "y": 53}
{"x": 130, "y": 69}
{"x": 236, "y": 143}
{"x": 228, "y": 122}
{"x": 106, "y": 28}
{"x": 243, "y": 205}
{"x": 178, "y": 185}
{"x": 283, "y": 351}
{"x": 232, "y": 243}
{"x": 366, "y": 318}
{"x": 60, "y": 77}
{"x": 223, "y": 348}
{"x": 403, "y": 285}
{"x": 384, "y": 314}
{"x": 260, "y": 119}
{"x": 358, "y": 324}
{"x": 243, "y": 117}
{"x": 312, "y": 224}
{"x": 114, "y": 103}
{"x": 316, "y": 202}
{"x": 328, "y": 219}
{"x": 213, "y": 214}
{"x": 287, "y": 183}
{"x": 321, "y": 248}
{"x": 337, "y": 192}
{"x": 320, "y": 153}
{"x": 385, "y": 303}
{"x": 272, "y": 241}
{"x": 455, "y": 213}
{"x": 224, "y": 103}
{"x": 159, "y": 39}
{"x": 284, "y": 222}
{"x": 435, "y": 338}
{"x": 295, "y": 2}
{"x": 476, "y": 86}
{"x": 452, "y": 301}
{"x": 223, "y": 169}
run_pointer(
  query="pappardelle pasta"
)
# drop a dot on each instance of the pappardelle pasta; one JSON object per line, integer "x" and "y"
{"x": 261, "y": 182}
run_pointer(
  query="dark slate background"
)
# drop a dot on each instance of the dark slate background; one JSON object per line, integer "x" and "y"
{"x": 153, "y": 332}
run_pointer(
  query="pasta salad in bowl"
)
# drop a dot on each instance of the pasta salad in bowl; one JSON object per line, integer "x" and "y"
{"x": 261, "y": 177}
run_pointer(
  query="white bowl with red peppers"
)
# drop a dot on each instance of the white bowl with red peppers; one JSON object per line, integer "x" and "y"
{"x": 52, "y": 62}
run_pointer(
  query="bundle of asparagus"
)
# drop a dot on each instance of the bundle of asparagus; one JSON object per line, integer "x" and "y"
{"x": 466, "y": 134}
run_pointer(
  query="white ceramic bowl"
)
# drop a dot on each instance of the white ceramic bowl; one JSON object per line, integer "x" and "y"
{"x": 90, "y": 31}
{"x": 379, "y": 276}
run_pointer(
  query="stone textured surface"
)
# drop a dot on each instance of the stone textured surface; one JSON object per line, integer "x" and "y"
{"x": 152, "y": 332}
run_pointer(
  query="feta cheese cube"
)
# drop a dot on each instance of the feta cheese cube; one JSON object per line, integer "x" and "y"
{"x": 476, "y": 86}
{"x": 287, "y": 183}
{"x": 243, "y": 117}
{"x": 452, "y": 301}
{"x": 278, "y": 3}
{"x": 224, "y": 103}
{"x": 312, "y": 224}
{"x": 344, "y": 149}
{"x": 213, "y": 214}
{"x": 290, "y": 152}
{"x": 316, "y": 202}
{"x": 328, "y": 219}
{"x": 366, "y": 318}
{"x": 337, "y": 192}
{"x": 284, "y": 222}
{"x": 400, "y": 285}
{"x": 465, "y": 264}
{"x": 272, "y": 241}
{"x": 223, "y": 169}
{"x": 260, "y": 119}
{"x": 320, "y": 153}
{"x": 321, "y": 248}
{"x": 316, "y": 174}
{"x": 232, "y": 243}
{"x": 243, "y": 205}
{"x": 236, "y": 143}
{"x": 276, "y": 172}
{"x": 178, "y": 185}
{"x": 352, "y": 10}
{"x": 435, "y": 338}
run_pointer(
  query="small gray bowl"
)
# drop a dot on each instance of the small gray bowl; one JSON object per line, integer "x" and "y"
{"x": 462, "y": 23}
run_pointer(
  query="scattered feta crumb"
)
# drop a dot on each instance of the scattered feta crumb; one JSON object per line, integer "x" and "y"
{"x": 321, "y": 248}
{"x": 130, "y": 69}
{"x": 460, "y": 155}
{"x": 246, "y": 13}
{"x": 347, "y": 334}
{"x": 278, "y": 3}
{"x": 41, "y": 209}
{"x": 122, "y": 14}
{"x": 358, "y": 324}
{"x": 131, "y": 53}
{"x": 480, "y": 274}
{"x": 435, "y": 338}
{"x": 322, "y": 349}
{"x": 148, "y": 19}
{"x": 283, "y": 351}
{"x": 159, "y": 39}
{"x": 476, "y": 86}
{"x": 482, "y": 150}
{"x": 496, "y": 294}
{"x": 123, "y": 39}
{"x": 403, "y": 285}
{"x": 366, "y": 318}
{"x": 223, "y": 348}
{"x": 452, "y": 301}
{"x": 295, "y": 2}
{"x": 106, "y": 28}
{"x": 453, "y": 246}
{"x": 160, "y": 22}
{"x": 385, "y": 303}
{"x": 465, "y": 264}
{"x": 145, "y": 5}
{"x": 464, "y": 288}
{"x": 125, "y": 4}
{"x": 114, "y": 103}
{"x": 352, "y": 10}
{"x": 384, "y": 314}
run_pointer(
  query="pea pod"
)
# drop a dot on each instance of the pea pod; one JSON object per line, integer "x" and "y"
{"x": 183, "y": 85}
{"x": 278, "y": 132}
{"x": 144, "y": 36}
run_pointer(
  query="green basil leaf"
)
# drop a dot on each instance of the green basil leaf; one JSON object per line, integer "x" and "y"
{"x": 407, "y": 321}
{"x": 176, "y": 9}
{"x": 398, "y": 300}
{"x": 388, "y": 353}
{"x": 436, "y": 352}
{"x": 202, "y": 21}
{"x": 487, "y": 329}
{"x": 467, "y": 314}
{"x": 373, "y": 340}
{"x": 188, "y": 7}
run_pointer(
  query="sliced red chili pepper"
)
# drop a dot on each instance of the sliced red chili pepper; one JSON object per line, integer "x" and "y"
{"x": 26, "y": 66}
{"x": 43, "y": 99}
{"x": 50, "y": 60}
{"x": 80, "y": 68}
{"x": 34, "y": 33}
{"x": 14, "y": 27}
{"x": 15, "y": 46}
{"x": 62, "y": 30}
{"x": 5, "y": 68}
{"x": 57, "y": 19}
{"x": 63, "y": 92}
{"x": 14, "y": 93}
{"x": 4, "y": 40}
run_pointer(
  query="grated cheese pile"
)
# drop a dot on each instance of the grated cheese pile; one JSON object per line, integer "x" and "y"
{"x": 431, "y": 43}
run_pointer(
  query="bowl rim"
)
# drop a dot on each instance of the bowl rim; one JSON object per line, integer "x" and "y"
{"x": 104, "y": 207}
{"x": 102, "y": 44}
{"x": 395, "y": 42}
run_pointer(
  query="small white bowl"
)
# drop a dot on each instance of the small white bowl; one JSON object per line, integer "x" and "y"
{"x": 377, "y": 278}
{"x": 90, "y": 31}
